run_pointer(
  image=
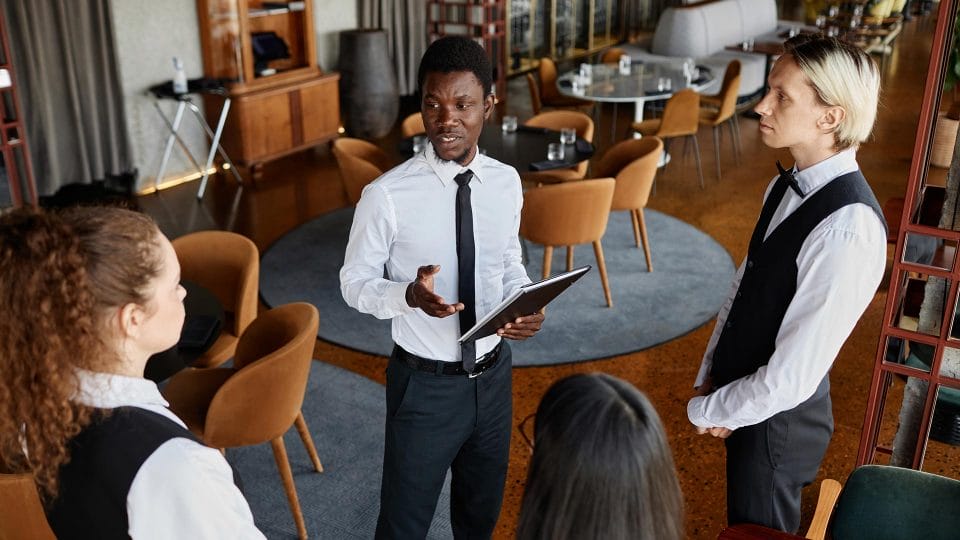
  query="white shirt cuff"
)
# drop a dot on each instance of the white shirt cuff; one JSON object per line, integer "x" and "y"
{"x": 695, "y": 412}
{"x": 396, "y": 297}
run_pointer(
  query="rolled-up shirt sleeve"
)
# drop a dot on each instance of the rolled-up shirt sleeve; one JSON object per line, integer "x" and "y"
{"x": 361, "y": 278}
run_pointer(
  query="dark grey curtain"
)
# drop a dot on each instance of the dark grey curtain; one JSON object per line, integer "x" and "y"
{"x": 406, "y": 24}
{"x": 64, "y": 55}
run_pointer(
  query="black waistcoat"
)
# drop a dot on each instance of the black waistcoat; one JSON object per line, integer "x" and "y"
{"x": 769, "y": 282}
{"x": 104, "y": 459}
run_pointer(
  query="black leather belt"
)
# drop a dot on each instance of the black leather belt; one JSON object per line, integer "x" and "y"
{"x": 437, "y": 367}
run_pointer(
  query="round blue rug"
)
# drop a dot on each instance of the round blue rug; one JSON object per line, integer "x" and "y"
{"x": 691, "y": 277}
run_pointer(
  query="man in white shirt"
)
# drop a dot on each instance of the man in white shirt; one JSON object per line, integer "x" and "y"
{"x": 816, "y": 257}
{"x": 445, "y": 226}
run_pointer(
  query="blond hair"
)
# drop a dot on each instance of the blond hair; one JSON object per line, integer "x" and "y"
{"x": 842, "y": 75}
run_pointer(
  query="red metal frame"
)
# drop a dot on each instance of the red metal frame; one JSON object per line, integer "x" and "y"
{"x": 15, "y": 177}
{"x": 933, "y": 89}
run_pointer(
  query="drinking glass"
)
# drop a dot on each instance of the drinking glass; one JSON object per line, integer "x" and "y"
{"x": 568, "y": 135}
{"x": 586, "y": 73}
{"x": 833, "y": 11}
{"x": 625, "y": 63}
{"x": 555, "y": 151}
{"x": 419, "y": 143}
{"x": 509, "y": 124}
{"x": 821, "y": 21}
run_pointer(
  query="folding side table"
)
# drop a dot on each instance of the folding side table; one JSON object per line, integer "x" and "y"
{"x": 194, "y": 86}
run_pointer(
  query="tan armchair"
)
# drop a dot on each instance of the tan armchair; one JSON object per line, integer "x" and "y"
{"x": 412, "y": 125}
{"x": 21, "y": 513}
{"x": 360, "y": 162}
{"x": 260, "y": 397}
{"x": 721, "y": 108}
{"x": 681, "y": 118}
{"x": 566, "y": 215}
{"x": 634, "y": 165}
{"x": 557, "y": 120}
{"x": 535, "y": 103}
{"x": 227, "y": 264}
{"x": 550, "y": 96}
{"x": 612, "y": 55}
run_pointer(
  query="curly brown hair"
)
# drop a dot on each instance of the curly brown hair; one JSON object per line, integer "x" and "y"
{"x": 62, "y": 275}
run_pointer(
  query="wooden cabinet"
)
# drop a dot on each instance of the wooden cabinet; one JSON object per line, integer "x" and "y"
{"x": 266, "y": 53}
{"x": 560, "y": 29}
{"x": 16, "y": 177}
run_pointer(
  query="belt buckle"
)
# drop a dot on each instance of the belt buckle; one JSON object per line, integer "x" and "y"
{"x": 475, "y": 374}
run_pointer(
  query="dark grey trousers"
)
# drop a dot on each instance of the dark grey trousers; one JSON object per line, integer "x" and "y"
{"x": 768, "y": 464}
{"x": 435, "y": 423}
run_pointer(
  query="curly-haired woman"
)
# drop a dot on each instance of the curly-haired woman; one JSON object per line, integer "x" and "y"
{"x": 88, "y": 295}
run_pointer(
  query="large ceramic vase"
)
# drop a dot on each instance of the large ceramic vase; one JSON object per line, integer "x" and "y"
{"x": 368, "y": 84}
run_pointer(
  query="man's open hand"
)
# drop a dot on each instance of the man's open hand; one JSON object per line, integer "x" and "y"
{"x": 420, "y": 294}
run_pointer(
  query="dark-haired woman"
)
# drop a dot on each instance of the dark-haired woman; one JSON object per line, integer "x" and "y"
{"x": 88, "y": 295}
{"x": 601, "y": 466}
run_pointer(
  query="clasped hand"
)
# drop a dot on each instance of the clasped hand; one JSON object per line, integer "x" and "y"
{"x": 420, "y": 295}
{"x": 717, "y": 431}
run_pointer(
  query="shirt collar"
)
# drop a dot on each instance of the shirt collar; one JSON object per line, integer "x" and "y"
{"x": 108, "y": 390}
{"x": 446, "y": 170}
{"x": 815, "y": 176}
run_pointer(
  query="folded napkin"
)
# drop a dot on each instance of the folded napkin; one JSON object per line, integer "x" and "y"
{"x": 548, "y": 164}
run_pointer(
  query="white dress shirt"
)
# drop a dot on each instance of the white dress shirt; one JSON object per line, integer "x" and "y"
{"x": 839, "y": 267}
{"x": 184, "y": 489}
{"x": 406, "y": 219}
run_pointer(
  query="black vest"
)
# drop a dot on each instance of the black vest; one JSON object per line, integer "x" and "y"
{"x": 104, "y": 459}
{"x": 769, "y": 282}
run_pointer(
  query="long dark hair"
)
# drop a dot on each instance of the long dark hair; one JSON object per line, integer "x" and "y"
{"x": 601, "y": 466}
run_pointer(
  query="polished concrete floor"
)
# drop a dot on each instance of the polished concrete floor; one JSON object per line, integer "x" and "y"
{"x": 301, "y": 187}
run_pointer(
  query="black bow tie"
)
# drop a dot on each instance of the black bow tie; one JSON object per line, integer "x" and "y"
{"x": 790, "y": 179}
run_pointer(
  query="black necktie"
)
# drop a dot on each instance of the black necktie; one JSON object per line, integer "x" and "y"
{"x": 466, "y": 288}
{"x": 785, "y": 179}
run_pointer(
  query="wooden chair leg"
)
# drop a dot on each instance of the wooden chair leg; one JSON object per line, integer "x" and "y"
{"x": 716, "y": 148}
{"x": 547, "y": 260}
{"x": 636, "y": 226}
{"x": 280, "y": 456}
{"x": 569, "y": 258}
{"x": 602, "y": 265}
{"x": 696, "y": 154}
{"x": 646, "y": 242}
{"x": 307, "y": 439}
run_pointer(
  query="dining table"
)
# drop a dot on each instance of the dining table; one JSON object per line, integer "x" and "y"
{"x": 525, "y": 148}
{"x": 645, "y": 81}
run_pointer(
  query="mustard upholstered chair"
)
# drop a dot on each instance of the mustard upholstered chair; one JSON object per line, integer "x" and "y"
{"x": 681, "y": 118}
{"x": 228, "y": 264}
{"x": 550, "y": 96}
{"x": 633, "y": 163}
{"x": 360, "y": 162}
{"x": 557, "y": 120}
{"x": 566, "y": 215}
{"x": 21, "y": 513}
{"x": 412, "y": 125}
{"x": 722, "y": 108}
{"x": 534, "y": 88}
{"x": 260, "y": 397}
{"x": 612, "y": 55}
